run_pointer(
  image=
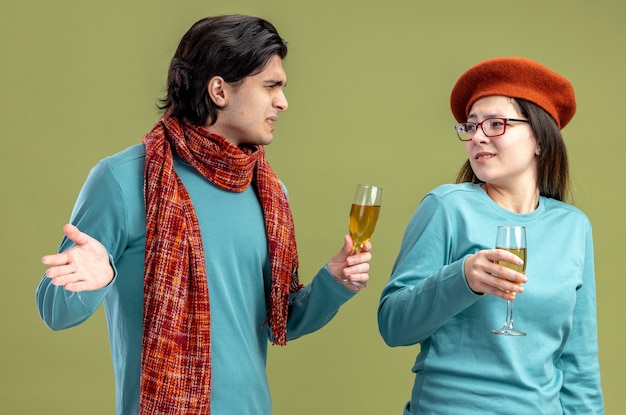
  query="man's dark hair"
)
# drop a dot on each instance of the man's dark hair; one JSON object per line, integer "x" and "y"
{"x": 230, "y": 46}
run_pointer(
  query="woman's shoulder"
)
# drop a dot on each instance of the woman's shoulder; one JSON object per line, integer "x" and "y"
{"x": 563, "y": 209}
{"x": 451, "y": 190}
{"x": 454, "y": 196}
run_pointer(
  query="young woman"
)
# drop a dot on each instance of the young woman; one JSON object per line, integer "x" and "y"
{"x": 445, "y": 293}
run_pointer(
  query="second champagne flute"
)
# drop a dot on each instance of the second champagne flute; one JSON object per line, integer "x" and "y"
{"x": 512, "y": 239}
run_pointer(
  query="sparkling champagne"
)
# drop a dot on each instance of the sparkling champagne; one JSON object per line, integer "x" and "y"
{"x": 520, "y": 252}
{"x": 362, "y": 223}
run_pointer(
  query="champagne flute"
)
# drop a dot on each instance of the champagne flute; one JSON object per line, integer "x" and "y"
{"x": 512, "y": 239}
{"x": 363, "y": 216}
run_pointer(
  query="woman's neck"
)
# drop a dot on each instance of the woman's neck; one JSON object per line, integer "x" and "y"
{"x": 519, "y": 201}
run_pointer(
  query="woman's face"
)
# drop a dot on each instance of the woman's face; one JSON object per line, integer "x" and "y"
{"x": 508, "y": 160}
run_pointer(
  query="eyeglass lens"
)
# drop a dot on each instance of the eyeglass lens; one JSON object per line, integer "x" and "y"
{"x": 491, "y": 127}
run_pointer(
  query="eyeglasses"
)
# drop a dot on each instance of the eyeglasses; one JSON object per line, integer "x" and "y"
{"x": 492, "y": 127}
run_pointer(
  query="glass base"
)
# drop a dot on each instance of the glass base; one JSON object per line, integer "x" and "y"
{"x": 355, "y": 283}
{"x": 508, "y": 332}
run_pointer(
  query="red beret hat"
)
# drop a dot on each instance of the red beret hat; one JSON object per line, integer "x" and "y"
{"x": 517, "y": 78}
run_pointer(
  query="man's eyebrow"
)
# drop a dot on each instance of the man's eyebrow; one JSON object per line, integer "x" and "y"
{"x": 276, "y": 82}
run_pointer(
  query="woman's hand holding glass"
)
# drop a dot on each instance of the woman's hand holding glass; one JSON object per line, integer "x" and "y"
{"x": 482, "y": 269}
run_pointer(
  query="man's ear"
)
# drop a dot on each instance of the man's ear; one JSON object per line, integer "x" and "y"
{"x": 216, "y": 88}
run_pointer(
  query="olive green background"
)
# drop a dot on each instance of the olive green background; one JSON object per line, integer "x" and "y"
{"x": 368, "y": 90}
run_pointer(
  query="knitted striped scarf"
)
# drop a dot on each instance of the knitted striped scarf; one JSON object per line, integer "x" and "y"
{"x": 176, "y": 345}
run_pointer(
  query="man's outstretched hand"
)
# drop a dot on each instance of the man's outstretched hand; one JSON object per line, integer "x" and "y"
{"x": 84, "y": 267}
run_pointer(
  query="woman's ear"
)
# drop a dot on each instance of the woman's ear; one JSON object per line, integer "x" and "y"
{"x": 217, "y": 91}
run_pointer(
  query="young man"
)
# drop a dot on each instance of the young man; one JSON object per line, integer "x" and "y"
{"x": 188, "y": 238}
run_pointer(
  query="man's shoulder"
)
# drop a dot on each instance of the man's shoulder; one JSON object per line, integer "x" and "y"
{"x": 126, "y": 165}
{"x": 132, "y": 154}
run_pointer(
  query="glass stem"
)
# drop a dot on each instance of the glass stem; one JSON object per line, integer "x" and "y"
{"x": 509, "y": 314}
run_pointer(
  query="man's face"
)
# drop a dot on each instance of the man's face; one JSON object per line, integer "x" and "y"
{"x": 251, "y": 109}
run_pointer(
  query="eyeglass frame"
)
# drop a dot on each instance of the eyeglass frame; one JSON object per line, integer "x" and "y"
{"x": 480, "y": 124}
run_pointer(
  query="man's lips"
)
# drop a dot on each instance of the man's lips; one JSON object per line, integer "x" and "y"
{"x": 270, "y": 121}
